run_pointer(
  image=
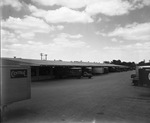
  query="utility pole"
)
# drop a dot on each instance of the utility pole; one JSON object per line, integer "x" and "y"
{"x": 41, "y": 55}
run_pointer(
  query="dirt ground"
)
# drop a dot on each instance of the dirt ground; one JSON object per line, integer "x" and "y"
{"x": 108, "y": 98}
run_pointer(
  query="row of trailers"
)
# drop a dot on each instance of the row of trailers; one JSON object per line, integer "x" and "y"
{"x": 17, "y": 75}
{"x": 59, "y": 72}
{"x": 39, "y": 73}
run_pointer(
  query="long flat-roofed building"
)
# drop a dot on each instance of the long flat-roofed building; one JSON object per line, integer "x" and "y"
{"x": 48, "y": 69}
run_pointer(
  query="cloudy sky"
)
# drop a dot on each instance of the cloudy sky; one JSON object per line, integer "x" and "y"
{"x": 74, "y": 30}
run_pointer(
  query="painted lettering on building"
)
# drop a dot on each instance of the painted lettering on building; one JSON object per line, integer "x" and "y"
{"x": 18, "y": 73}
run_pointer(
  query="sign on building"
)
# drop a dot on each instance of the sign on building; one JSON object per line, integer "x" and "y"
{"x": 18, "y": 73}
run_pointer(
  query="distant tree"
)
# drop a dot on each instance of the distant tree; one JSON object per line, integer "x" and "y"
{"x": 117, "y": 62}
{"x": 106, "y": 62}
{"x": 129, "y": 64}
{"x": 142, "y": 63}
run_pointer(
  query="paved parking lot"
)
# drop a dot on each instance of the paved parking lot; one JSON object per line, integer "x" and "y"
{"x": 108, "y": 98}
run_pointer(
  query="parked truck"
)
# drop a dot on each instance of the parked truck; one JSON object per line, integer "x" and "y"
{"x": 141, "y": 77}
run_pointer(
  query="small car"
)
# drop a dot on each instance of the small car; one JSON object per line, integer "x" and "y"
{"x": 86, "y": 74}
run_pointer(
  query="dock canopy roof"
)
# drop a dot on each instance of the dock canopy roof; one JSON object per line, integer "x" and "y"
{"x": 35, "y": 62}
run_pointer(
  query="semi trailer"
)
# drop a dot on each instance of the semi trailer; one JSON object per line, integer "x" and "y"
{"x": 141, "y": 77}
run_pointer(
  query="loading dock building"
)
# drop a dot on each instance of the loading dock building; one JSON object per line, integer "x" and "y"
{"x": 46, "y": 69}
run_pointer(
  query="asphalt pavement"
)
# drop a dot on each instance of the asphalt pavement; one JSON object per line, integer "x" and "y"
{"x": 108, "y": 98}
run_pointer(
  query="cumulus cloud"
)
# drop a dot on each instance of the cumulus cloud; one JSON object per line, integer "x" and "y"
{"x": 65, "y": 35}
{"x": 134, "y": 47}
{"x": 58, "y": 44}
{"x": 68, "y": 3}
{"x": 61, "y": 15}
{"x": 100, "y": 33}
{"x": 93, "y": 7}
{"x": 99, "y": 20}
{"x": 136, "y": 52}
{"x": 27, "y": 27}
{"x": 64, "y": 42}
{"x": 14, "y": 3}
{"x": 108, "y": 7}
{"x": 60, "y": 27}
{"x": 140, "y": 3}
{"x": 67, "y": 40}
{"x": 146, "y": 2}
{"x": 26, "y": 24}
{"x": 27, "y": 35}
{"x": 31, "y": 48}
{"x": 133, "y": 31}
{"x": 8, "y": 37}
{"x": 116, "y": 40}
{"x": 75, "y": 4}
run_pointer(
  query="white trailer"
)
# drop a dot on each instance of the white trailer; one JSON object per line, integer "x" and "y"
{"x": 97, "y": 70}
